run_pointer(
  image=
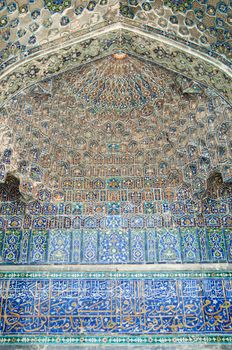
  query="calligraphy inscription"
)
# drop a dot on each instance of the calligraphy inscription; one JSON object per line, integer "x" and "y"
{"x": 124, "y": 306}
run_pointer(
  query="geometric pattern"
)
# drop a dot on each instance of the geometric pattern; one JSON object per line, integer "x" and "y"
{"x": 128, "y": 165}
{"x": 129, "y": 176}
{"x": 140, "y": 148}
{"x": 116, "y": 246}
{"x": 138, "y": 171}
{"x": 115, "y": 307}
{"x": 192, "y": 22}
{"x": 114, "y": 232}
{"x": 106, "y": 44}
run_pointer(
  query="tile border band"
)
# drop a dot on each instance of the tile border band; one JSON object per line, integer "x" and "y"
{"x": 118, "y": 340}
{"x": 106, "y": 275}
{"x": 144, "y": 268}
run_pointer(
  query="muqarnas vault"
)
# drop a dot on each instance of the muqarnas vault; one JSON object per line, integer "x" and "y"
{"x": 138, "y": 170}
{"x": 137, "y": 173}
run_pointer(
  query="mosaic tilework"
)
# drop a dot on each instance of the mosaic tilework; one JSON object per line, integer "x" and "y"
{"x": 154, "y": 232}
{"x": 122, "y": 182}
{"x": 146, "y": 305}
{"x": 157, "y": 139}
{"x": 198, "y": 22}
{"x": 76, "y": 54}
{"x": 179, "y": 5}
{"x": 28, "y": 26}
{"x": 117, "y": 246}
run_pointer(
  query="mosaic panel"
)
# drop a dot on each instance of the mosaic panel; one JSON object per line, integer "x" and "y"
{"x": 192, "y": 21}
{"x": 143, "y": 146}
{"x": 61, "y": 59}
{"x": 111, "y": 246}
{"x": 138, "y": 171}
{"x": 27, "y": 27}
{"x": 190, "y": 245}
{"x": 197, "y": 23}
{"x": 152, "y": 307}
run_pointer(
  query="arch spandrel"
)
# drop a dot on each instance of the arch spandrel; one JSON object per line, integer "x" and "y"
{"x": 199, "y": 24}
{"x": 112, "y": 39}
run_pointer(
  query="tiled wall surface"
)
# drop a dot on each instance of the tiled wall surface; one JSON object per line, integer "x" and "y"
{"x": 116, "y": 246}
{"x": 116, "y": 308}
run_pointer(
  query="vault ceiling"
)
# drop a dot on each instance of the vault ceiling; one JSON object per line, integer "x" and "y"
{"x": 103, "y": 62}
{"x": 119, "y": 116}
{"x": 115, "y": 148}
